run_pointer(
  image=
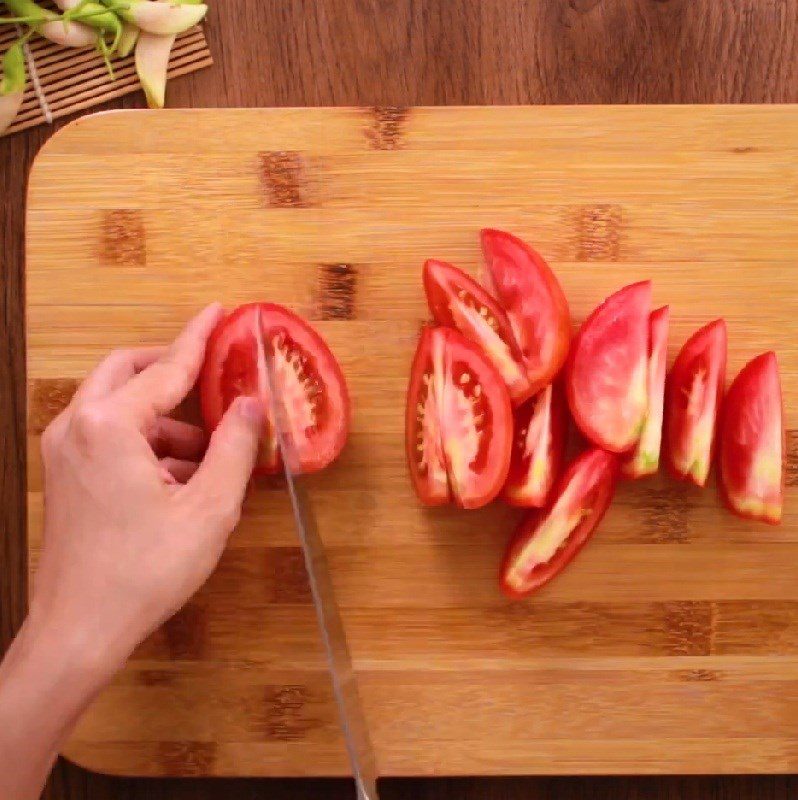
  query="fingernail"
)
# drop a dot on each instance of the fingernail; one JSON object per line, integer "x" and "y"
{"x": 250, "y": 408}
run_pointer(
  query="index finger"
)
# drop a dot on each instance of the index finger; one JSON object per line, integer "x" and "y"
{"x": 162, "y": 386}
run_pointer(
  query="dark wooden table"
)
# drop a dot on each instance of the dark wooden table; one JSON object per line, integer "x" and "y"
{"x": 411, "y": 52}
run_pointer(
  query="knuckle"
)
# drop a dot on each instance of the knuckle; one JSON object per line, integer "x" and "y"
{"x": 90, "y": 419}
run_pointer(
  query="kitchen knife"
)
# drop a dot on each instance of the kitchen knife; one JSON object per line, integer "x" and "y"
{"x": 347, "y": 698}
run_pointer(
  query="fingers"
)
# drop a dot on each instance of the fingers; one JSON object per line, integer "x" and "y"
{"x": 116, "y": 369}
{"x": 163, "y": 384}
{"x": 176, "y": 470}
{"x": 170, "y": 437}
{"x": 221, "y": 480}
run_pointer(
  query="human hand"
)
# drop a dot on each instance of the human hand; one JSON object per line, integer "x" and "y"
{"x": 134, "y": 521}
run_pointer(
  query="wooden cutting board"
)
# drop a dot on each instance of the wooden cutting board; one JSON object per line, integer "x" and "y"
{"x": 670, "y": 645}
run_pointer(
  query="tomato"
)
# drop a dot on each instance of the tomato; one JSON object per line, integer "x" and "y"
{"x": 693, "y": 393}
{"x": 457, "y": 300}
{"x": 458, "y": 422}
{"x": 644, "y": 459}
{"x": 606, "y": 375}
{"x": 547, "y": 540}
{"x": 310, "y": 381}
{"x": 538, "y": 448}
{"x": 534, "y": 301}
{"x": 751, "y": 442}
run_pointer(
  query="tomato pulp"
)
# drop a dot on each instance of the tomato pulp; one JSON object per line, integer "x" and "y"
{"x": 752, "y": 442}
{"x": 309, "y": 378}
{"x": 546, "y": 541}
{"x": 693, "y": 394}
{"x": 458, "y": 422}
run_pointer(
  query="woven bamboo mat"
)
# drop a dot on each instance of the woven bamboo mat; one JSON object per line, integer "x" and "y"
{"x": 72, "y": 80}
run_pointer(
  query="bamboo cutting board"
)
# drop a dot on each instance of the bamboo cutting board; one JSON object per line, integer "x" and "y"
{"x": 670, "y": 645}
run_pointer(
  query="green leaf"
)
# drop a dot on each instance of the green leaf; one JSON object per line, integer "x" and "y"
{"x": 13, "y": 79}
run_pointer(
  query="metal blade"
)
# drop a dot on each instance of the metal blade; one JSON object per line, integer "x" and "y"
{"x": 350, "y": 709}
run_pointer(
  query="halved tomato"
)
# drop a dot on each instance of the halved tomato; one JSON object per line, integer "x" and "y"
{"x": 458, "y": 422}
{"x": 644, "y": 459}
{"x": 310, "y": 381}
{"x": 536, "y": 307}
{"x": 693, "y": 393}
{"x": 538, "y": 448}
{"x": 547, "y": 540}
{"x": 752, "y": 442}
{"x": 606, "y": 375}
{"x": 457, "y": 300}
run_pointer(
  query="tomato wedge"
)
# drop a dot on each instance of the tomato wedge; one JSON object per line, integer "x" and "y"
{"x": 547, "y": 540}
{"x": 536, "y": 307}
{"x": 308, "y": 375}
{"x": 538, "y": 448}
{"x": 752, "y": 442}
{"x": 693, "y": 393}
{"x": 458, "y": 422}
{"x": 644, "y": 459}
{"x": 457, "y": 300}
{"x": 606, "y": 375}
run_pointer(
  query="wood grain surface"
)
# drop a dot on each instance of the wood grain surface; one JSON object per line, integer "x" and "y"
{"x": 408, "y": 53}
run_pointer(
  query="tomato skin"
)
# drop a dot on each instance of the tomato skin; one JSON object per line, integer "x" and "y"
{"x": 455, "y": 300}
{"x": 587, "y": 485}
{"x": 231, "y": 368}
{"x": 538, "y": 448}
{"x": 606, "y": 372}
{"x": 751, "y": 442}
{"x": 644, "y": 459}
{"x": 466, "y": 405}
{"x": 693, "y": 396}
{"x": 534, "y": 301}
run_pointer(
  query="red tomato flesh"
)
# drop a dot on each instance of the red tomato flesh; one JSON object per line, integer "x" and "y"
{"x": 693, "y": 394}
{"x": 752, "y": 442}
{"x": 538, "y": 448}
{"x": 546, "y": 541}
{"x": 607, "y": 371}
{"x": 456, "y": 300}
{"x": 458, "y": 422}
{"x": 310, "y": 381}
{"x": 536, "y": 307}
{"x": 644, "y": 459}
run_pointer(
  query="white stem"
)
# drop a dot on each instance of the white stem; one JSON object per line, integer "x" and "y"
{"x": 71, "y": 34}
{"x": 154, "y": 16}
{"x": 152, "y": 63}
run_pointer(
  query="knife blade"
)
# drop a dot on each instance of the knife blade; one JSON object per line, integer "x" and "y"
{"x": 350, "y": 709}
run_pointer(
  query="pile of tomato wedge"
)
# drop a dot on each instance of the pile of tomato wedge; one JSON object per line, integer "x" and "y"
{"x": 495, "y": 377}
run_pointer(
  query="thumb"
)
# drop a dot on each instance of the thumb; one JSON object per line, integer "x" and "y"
{"x": 221, "y": 480}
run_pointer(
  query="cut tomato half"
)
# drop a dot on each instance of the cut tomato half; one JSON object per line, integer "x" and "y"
{"x": 458, "y": 422}
{"x": 752, "y": 442}
{"x": 458, "y": 301}
{"x": 607, "y": 371}
{"x": 536, "y": 307}
{"x": 546, "y": 541}
{"x": 644, "y": 459}
{"x": 538, "y": 448}
{"x": 693, "y": 393}
{"x": 310, "y": 381}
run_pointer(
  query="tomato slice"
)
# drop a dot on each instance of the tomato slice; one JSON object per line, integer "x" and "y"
{"x": 458, "y": 422}
{"x": 536, "y": 307}
{"x": 547, "y": 540}
{"x": 457, "y": 300}
{"x": 752, "y": 442}
{"x": 538, "y": 448}
{"x": 693, "y": 393}
{"x": 310, "y": 381}
{"x": 644, "y": 459}
{"x": 606, "y": 376}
